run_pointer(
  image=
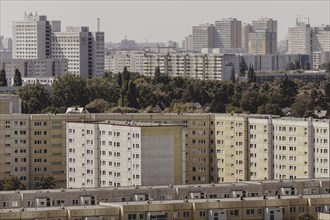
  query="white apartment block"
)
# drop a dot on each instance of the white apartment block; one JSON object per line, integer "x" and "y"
{"x": 32, "y": 37}
{"x": 195, "y": 65}
{"x": 315, "y": 41}
{"x": 72, "y": 45}
{"x": 299, "y": 39}
{"x": 35, "y": 67}
{"x": 203, "y": 36}
{"x": 104, "y": 154}
{"x": 83, "y": 49}
{"x": 38, "y": 38}
{"x": 228, "y": 33}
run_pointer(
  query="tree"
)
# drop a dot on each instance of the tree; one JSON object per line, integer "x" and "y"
{"x": 11, "y": 183}
{"x": 34, "y": 99}
{"x": 46, "y": 182}
{"x": 328, "y": 67}
{"x": 17, "y": 78}
{"x": 99, "y": 104}
{"x": 305, "y": 216}
{"x": 158, "y": 75}
{"x": 3, "y": 78}
{"x": 307, "y": 65}
{"x": 269, "y": 109}
{"x": 241, "y": 69}
{"x": 232, "y": 74}
{"x": 251, "y": 77}
{"x": 290, "y": 66}
{"x": 297, "y": 65}
{"x": 69, "y": 90}
{"x": 123, "y": 82}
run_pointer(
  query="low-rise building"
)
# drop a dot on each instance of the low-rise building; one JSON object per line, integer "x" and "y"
{"x": 280, "y": 200}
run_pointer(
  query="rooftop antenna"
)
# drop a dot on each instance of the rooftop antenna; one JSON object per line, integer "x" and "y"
{"x": 98, "y": 24}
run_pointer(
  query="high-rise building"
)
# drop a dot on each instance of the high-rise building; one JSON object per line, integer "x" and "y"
{"x": 299, "y": 39}
{"x": 203, "y": 36}
{"x": 228, "y": 33}
{"x": 263, "y": 39}
{"x": 38, "y": 38}
{"x": 246, "y": 29}
{"x": 83, "y": 49}
{"x": 187, "y": 43}
{"x": 32, "y": 37}
{"x": 321, "y": 38}
{"x": 262, "y": 42}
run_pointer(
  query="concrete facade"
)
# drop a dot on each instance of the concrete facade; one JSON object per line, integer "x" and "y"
{"x": 110, "y": 153}
{"x": 280, "y": 200}
{"x": 228, "y": 33}
{"x": 219, "y": 147}
{"x": 203, "y": 36}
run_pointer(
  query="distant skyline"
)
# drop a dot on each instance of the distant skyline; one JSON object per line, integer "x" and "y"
{"x": 161, "y": 21}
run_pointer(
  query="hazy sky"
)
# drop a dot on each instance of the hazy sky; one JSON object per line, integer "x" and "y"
{"x": 161, "y": 20}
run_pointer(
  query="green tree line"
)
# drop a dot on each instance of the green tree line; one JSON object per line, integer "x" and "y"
{"x": 131, "y": 92}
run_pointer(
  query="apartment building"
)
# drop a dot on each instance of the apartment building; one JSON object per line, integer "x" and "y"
{"x": 214, "y": 66}
{"x": 203, "y": 36}
{"x": 38, "y": 38}
{"x": 219, "y": 147}
{"x": 34, "y": 67}
{"x": 315, "y": 41}
{"x": 263, "y": 38}
{"x": 83, "y": 49}
{"x": 246, "y": 29}
{"x": 230, "y": 148}
{"x": 32, "y": 37}
{"x": 117, "y": 153}
{"x": 299, "y": 39}
{"x": 228, "y": 33}
{"x": 280, "y": 200}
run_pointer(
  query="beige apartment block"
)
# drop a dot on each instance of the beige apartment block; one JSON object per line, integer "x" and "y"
{"x": 15, "y": 151}
{"x": 293, "y": 152}
{"x": 219, "y": 147}
{"x": 231, "y": 143}
{"x": 320, "y": 140}
{"x": 259, "y": 148}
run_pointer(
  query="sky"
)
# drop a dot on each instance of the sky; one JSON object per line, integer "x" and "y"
{"x": 161, "y": 21}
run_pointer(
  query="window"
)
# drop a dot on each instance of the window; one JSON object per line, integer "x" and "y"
{"x": 250, "y": 211}
{"x": 234, "y": 212}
